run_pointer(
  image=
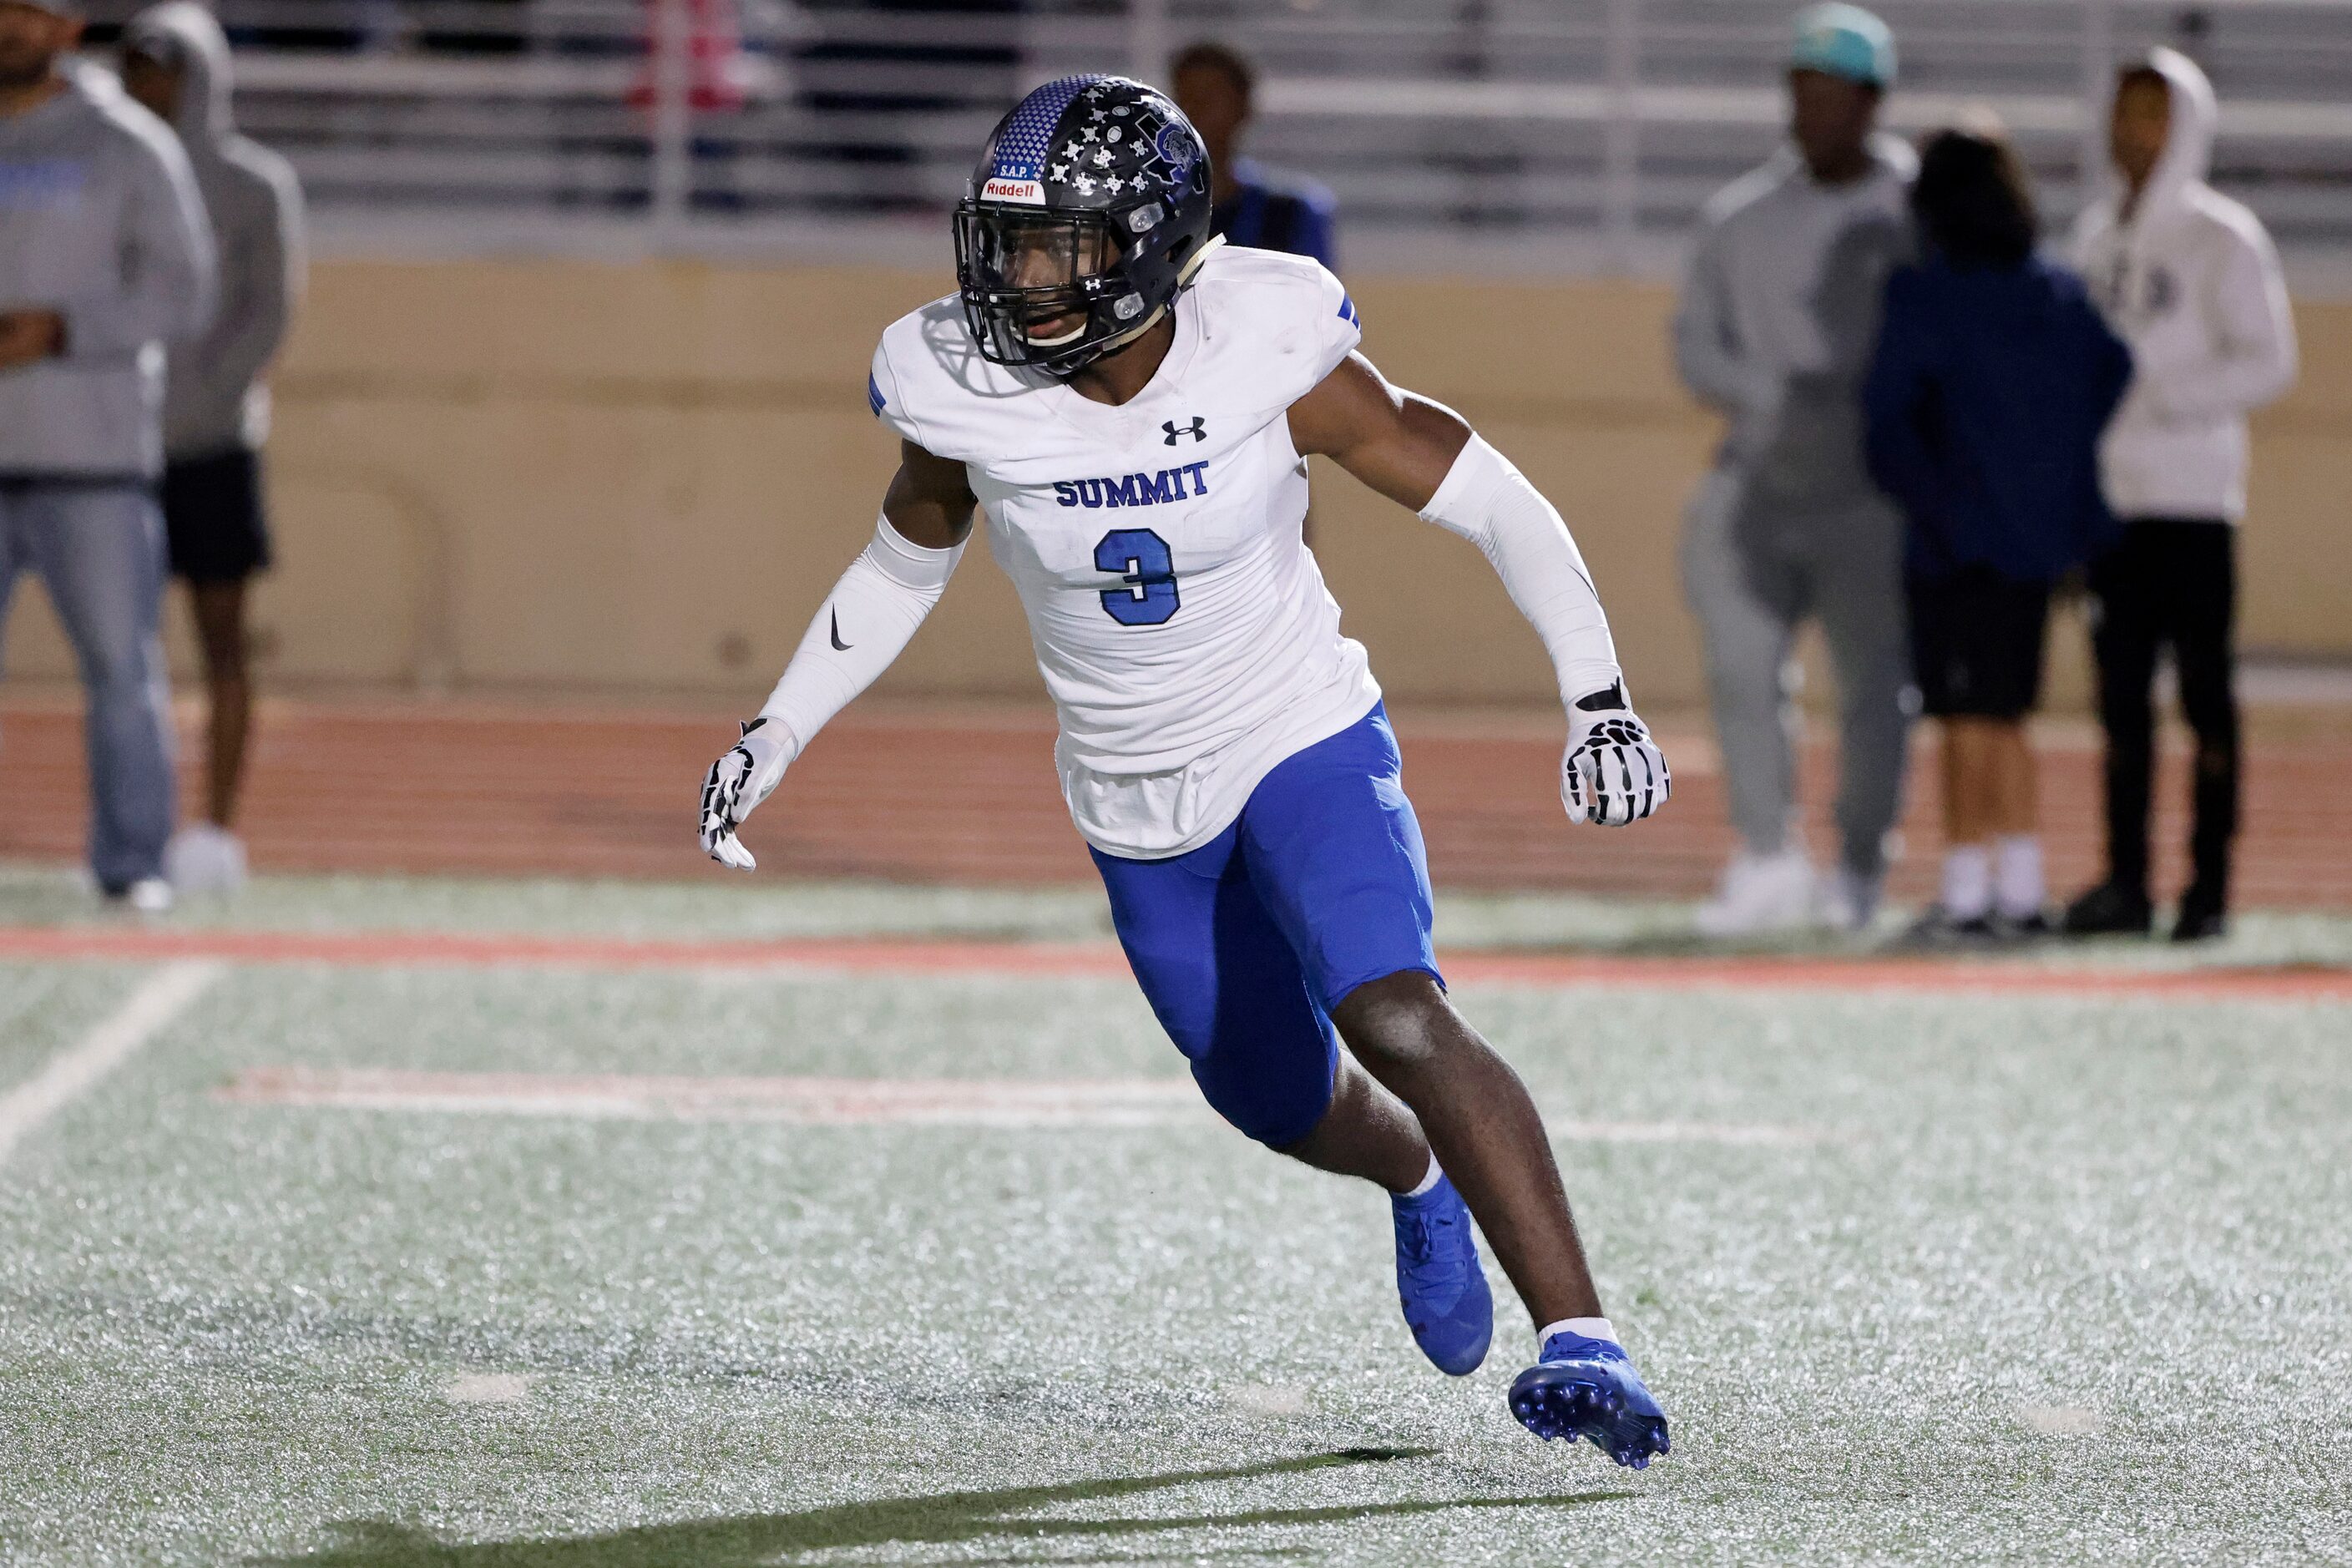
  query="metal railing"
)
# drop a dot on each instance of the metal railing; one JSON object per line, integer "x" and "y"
{"x": 1574, "y": 129}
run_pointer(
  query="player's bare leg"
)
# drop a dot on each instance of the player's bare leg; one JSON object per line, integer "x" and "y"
{"x": 1477, "y": 1117}
{"x": 1486, "y": 1133}
{"x": 1367, "y": 1132}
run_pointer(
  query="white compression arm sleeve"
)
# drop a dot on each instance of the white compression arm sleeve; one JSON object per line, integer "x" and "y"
{"x": 866, "y": 622}
{"x": 1491, "y": 504}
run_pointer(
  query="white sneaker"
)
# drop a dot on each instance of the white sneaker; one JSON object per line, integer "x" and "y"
{"x": 1760, "y": 893}
{"x": 205, "y": 857}
{"x": 147, "y": 896}
{"x": 1850, "y": 900}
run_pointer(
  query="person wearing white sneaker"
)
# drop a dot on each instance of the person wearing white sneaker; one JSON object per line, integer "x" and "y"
{"x": 205, "y": 857}
{"x": 1761, "y": 893}
{"x": 1993, "y": 379}
{"x": 176, "y": 61}
{"x": 1773, "y": 330}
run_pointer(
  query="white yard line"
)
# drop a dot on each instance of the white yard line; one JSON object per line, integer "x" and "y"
{"x": 159, "y": 999}
{"x": 809, "y": 1101}
{"x": 841, "y": 1102}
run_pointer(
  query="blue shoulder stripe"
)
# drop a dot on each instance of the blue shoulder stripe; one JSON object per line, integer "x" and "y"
{"x": 874, "y": 400}
{"x": 1348, "y": 308}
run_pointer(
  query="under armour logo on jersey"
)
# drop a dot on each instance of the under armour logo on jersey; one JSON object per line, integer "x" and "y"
{"x": 1199, "y": 430}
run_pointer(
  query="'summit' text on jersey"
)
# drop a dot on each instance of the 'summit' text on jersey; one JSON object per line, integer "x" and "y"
{"x": 1134, "y": 490}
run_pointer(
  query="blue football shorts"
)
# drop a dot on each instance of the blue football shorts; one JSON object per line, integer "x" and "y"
{"x": 1245, "y": 945}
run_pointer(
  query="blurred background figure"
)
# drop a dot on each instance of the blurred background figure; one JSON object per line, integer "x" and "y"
{"x": 1774, "y": 332}
{"x": 216, "y": 409}
{"x": 1993, "y": 378}
{"x": 105, "y": 257}
{"x": 2190, "y": 279}
{"x": 1255, "y": 206}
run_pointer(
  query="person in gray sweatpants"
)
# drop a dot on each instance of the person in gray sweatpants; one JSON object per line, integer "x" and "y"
{"x": 105, "y": 257}
{"x": 1775, "y": 331}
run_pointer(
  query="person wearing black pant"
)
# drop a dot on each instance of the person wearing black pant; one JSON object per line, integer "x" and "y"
{"x": 2172, "y": 582}
{"x": 2191, "y": 282}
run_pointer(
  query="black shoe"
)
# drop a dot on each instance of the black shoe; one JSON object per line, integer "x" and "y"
{"x": 2034, "y": 927}
{"x": 2110, "y": 910}
{"x": 1938, "y": 931}
{"x": 2200, "y": 918}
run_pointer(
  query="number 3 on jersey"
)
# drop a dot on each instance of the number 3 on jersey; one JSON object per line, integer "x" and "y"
{"x": 1147, "y": 571}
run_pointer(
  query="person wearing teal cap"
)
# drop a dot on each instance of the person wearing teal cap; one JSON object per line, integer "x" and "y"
{"x": 1774, "y": 332}
{"x": 1846, "y": 42}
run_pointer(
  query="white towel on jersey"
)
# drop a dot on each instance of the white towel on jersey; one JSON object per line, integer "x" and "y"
{"x": 1180, "y": 621}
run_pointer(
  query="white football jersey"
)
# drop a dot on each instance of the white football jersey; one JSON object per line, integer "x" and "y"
{"x": 1180, "y": 621}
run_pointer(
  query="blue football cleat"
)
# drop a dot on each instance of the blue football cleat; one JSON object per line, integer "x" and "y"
{"x": 1446, "y": 1303}
{"x": 1586, "y": 1388}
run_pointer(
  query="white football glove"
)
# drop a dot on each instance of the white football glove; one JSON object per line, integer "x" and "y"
{"x": 737, "y": 781}
{"x": 1613, "y": 773}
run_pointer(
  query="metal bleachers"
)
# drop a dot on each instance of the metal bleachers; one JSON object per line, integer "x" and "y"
{"x": 1569, "y": 129}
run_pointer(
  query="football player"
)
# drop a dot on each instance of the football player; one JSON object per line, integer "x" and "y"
{"x": 1129, "y": 405}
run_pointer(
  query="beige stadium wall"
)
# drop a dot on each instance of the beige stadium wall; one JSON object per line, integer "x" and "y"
{"x": 642, "y": 476}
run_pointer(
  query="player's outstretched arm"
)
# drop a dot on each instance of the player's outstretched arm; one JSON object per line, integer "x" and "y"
{"x": 1424, "y": 456}
{"x": 865, "y": 623}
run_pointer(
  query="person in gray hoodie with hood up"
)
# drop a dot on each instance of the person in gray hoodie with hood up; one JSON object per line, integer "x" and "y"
{"x": 1774, "y": 330}
{"x": 176, "y": 61}
{"x": 105, "y": 258}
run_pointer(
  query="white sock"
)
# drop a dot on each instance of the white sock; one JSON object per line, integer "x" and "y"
{"x": 1590, "y": 1328}
{"x": 2017, "y": 884}
{"x": 1428, "y": 1183}
{"x": 1967, "y": 882}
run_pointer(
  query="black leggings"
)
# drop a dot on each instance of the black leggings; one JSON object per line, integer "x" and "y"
{"x": 2170, "y": 581}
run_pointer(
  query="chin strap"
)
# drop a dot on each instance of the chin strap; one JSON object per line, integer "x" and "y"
{"x": 1194, "y": 265}
{"x": 1184, "y": 281}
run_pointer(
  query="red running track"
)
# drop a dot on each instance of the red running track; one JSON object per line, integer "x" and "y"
{"x": 936, "y": 794}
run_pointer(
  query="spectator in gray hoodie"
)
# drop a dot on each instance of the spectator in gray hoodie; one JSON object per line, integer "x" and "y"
{"x": 105, "y": 257}
{"x": 1775, "y": 331}
{"x": 215, "y": 406}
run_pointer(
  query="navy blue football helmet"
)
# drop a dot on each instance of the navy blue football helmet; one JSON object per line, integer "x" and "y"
{"x": 1086, "y": 217}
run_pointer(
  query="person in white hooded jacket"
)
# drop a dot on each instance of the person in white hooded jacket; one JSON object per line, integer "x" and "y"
{"x": 2190, "y": 281}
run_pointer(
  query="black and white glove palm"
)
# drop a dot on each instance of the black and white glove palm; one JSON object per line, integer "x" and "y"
{"x": 737, "y": 781}
{"x": 1613, "y": 773}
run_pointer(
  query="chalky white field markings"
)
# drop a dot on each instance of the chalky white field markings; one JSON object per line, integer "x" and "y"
{"x": 840, "y": 1101}
{"x": 150, "y": 1009}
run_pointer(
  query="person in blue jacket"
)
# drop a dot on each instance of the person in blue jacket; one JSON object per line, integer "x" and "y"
{"x": 1994, "y": 377}
{"x": 1215, "y": 85}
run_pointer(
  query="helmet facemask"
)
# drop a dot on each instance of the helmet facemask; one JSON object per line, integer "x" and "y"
{"x": 1043, "y": 288}
{"x": 1088, "y": 215}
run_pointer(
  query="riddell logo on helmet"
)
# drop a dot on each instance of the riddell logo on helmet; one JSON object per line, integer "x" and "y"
{"x": 1029, "y": 193}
